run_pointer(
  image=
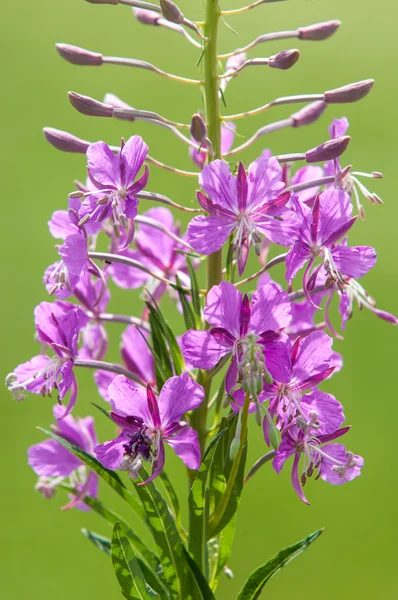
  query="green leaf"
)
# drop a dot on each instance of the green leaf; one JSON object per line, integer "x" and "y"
{"x": 171, "y": 495}
{"x": 101, "y": 542}
{"x": 257, "y": 580}
{"x": 205, "y": 590}
{"x": 111, "y": 477}
{"x": 224, "y": 476}
{"x": 168, "y": 335}
{"x": 101, "y": 409}
{"x": 127, "y": 568}
{"x": 198, "y": 511}
{"x": 194, "y": 292}
{"x": 188, "y": 314}
{"x": 170, "y": 547}
{"x": 161, "y": 375}
{"x": 161, "y": 355}
{"x": 220, "y": 552}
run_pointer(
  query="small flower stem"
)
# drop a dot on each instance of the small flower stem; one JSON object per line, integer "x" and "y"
{"x": 274, "y": 261}
{"x": 221, "y": 507}
{"x": 238, "y": 11}
{"x": 111, "y": 367}
{"x": 126, "y": 319}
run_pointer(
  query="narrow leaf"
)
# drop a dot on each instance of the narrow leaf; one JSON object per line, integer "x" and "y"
{"x": 174, "y": 348}
{"x": 170, "y": 548}
{"x": 101, "y": 542}
{"x": 194, "y": 291}
{"x": 198, "y": 515}
{"x": 188, "y": 314}
{"x": 161, "y": 375}
{"x": 257, "y": 580}
{"x": 111, "y": 477}
{"x": 101, "y": 409}
{"x": 127, "y": 568}
{"x": 206, "y": 592}
{"x": 172, "y": 496}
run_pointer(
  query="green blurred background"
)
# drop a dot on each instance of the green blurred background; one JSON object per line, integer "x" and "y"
{"x": 43, "y": 553}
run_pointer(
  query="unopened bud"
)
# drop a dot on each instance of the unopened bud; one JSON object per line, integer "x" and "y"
{"x": 198, "y": 128}
{"x": 328, "y": 151}
{"x": 319, "y": 31}
{"x": 309, "y": 114}
{"x": 64, "y": 141}
{"x": 349, "y": 93}
{"x": 90, "y": 107}
{"x": 274, "y": 438}
{"x": 171, "y": 12}
{"x": 236, "y": 61}
{"x": 79, "y": 56}
{"x": 268, "y": 378}
{"x": 233, "y": 449}
{"x": 147, "y": 17}
{"x": 284, "y": 60}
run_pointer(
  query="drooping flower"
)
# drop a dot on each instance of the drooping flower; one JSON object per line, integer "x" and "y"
{"x": 114, "y": 179}
{"x": 58, "y": 326}
{"x": 158, "y": 252}
{"x": 148, "y": 423}
{"x": 332, "y": 461}
{"x": 247, "y": 331}
{"x": 321, "y": 229}
{"x": 227, "y": 139}
{"x": 54, "y": 463}
{"x": 251, "y": 204}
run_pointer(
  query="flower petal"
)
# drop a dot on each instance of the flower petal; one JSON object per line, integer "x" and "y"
{"x": 127, "y": 400}
{"x": 103, "y": 165}
{"x": 178, "y": 395}
{"x": 271, "y": 309}
{"x": 208, "y": 234}
{"x": 223, "y": 307}
{"x": 110, "y": 454}
{"x": 219, "y": 184}
{"x": 185, "y": 444}
{"x": 50, "y": 459}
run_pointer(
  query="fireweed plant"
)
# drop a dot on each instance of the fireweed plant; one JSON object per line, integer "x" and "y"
{"x": 260, "y": 355}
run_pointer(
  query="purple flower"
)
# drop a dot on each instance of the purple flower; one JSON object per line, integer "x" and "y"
{"x": 94, "y": 297}
{"x": 322, "y": 227}
{"x": 114, "y": 179}
{"x": 352, "y": 291}
{"x": 136, "y": 357}
{"x": 157, "y": 251}
{"x": 148, "y": 423}
{"x": 310, "y": 362}
{"x": 247, "y": 331}
{"x": 227, "y": 139}
{"x": 332, "y": 461}
{"x": 309, "y": 173}
{"x": 250, "y": 204}
{"x": 54, "y": 463}
{"x": 57, "y": 327}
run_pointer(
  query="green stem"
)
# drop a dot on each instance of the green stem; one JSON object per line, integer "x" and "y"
{"x": 213, "y": 117}
{"x": 213, "y": 123}
{"x": 222, "y": 505}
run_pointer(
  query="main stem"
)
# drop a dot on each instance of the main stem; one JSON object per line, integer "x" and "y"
{"x": 213, "y": 122}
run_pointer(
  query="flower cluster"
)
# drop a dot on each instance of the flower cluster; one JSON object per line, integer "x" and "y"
{"x": 272, "y": 355}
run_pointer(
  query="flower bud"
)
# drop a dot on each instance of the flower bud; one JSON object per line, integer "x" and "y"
{"x": 79, "y": 56}
{"x": 319, "y": 31}
{"x": 171, "y": 12}
{"x": 309, "y": 114}
{"x": 349, "y": 93}
{"x": 90, "y": 107}
{"x": 234, "y": 447}
{"x": 236, "y": 61}
{"x": 64, "y": 141}
{"x": 198, "y": 128}
{"x": 274, "y": 437}
{"x": 328, "y": 151}
{"x": 147, "y": 17}
{"x": 284, "y": 60}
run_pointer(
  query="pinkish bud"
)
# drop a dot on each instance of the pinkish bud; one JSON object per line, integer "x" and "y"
{"x": 147, "y": 17}
{"x": 79, "y": 56}
{"x": 90, "y": 107}
{"x": 198, "y": 128}
{"x": 64, "y": 141}
{"x": 234, "y": 62}
{"x": 117, "y": 103}
{"x": 171, "y": 12}
{"x": 328, "y": 151}
{"x": 309, "y": 114}
{"x": 284, "y": 60}
{"x": 319, "y": 31}
{"x": 349, "y": 93}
